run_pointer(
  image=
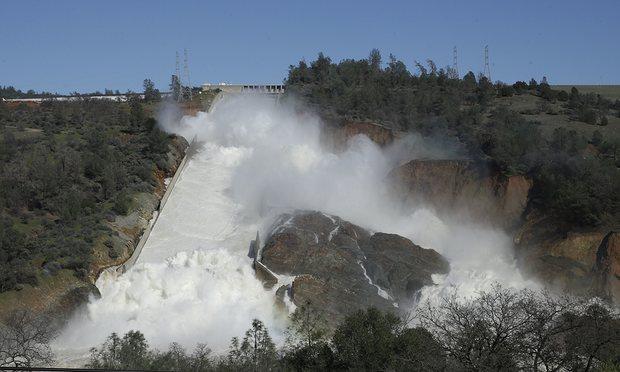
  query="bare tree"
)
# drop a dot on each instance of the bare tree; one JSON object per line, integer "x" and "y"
{"x": 24, "y": 340}
{"x": 506, "y": 329}
{"x": 550, "y": 320}
{"x": 481, "y": 333}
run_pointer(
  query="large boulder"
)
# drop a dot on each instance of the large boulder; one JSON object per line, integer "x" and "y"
{"x": 396, "y": 263}
{"x": 463, "y": 188}
{"x": 339, "y": 267}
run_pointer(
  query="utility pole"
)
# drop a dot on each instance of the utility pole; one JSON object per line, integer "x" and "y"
{"x": 487, "y": 67}
{"x": 455, "y": 62}
{"x": 186, "y": 71}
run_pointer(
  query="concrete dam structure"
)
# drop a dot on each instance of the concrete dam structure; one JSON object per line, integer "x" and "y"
{"x": 245, "y": 88}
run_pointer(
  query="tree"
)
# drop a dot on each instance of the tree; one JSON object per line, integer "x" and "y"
{"x": 597, "y": 339}
{"x": 574, "y": 99}
{"x": 469, "y": 80}
{"x": 256, "y": 352}
{"x": 14, "y": 268}
{"x": 130, "y": 352}
{"x": 478, "y": 334}
{"x": 365, "y": 340}
{"x": 25, "y": 339}
{"x": 137, "y": 115}
{"x": 507, "y": 329}
{"x": 174, "y": 359}
{"x": 307, "y": 343}
{"x": 397, "y": 71}
{"x": 374, "y": 60}
{"x": 320, "y": 67}
{"x": 175, "y": 87}
{"x": 150, "y": 92}
{"x": 504, "y": 90}
{"x": 416, "y": 349}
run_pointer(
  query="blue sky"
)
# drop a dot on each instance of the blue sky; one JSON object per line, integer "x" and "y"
{"x": 69, "y": 46}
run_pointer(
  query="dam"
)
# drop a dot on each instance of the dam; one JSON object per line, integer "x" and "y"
{"x": 254, "y": 159}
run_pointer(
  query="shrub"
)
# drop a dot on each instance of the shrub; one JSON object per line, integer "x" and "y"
{"x": 122, "y": 203}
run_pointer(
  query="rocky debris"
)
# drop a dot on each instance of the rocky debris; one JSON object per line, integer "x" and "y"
{"x": 463, "y": 188}
{"x": 340, "y": 267}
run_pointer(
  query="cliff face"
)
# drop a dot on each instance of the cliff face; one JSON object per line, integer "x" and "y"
{"x": 581, "y": 262}
{"x": 336, "y": 136}
{"x": 607, "y": 268}
{"x": 462, "y": 189}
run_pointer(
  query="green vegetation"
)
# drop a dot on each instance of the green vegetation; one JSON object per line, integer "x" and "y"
{"x": 500, "y": 330}
{"x": 611, "y": 92}
{"x": 64, "y": 168}
{"x": 10, "y": 92}
{"x": 576, "y": 177}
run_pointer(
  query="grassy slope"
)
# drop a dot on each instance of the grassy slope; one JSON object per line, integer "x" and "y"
{"x": 608, "y": 91}
{"x": 552, "y": 116}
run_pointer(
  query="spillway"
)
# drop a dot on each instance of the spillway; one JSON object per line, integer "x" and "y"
{"x": 193, "y": 281}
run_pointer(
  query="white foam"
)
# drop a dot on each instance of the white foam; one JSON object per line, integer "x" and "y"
{"x": 194, "y": 283}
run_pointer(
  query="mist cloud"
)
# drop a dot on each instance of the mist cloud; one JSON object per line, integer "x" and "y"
{"x": 259, "y": 159}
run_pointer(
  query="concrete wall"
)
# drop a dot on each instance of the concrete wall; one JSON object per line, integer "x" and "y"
{"x": 122, "y": 268}
{"x": 246, "y": 88}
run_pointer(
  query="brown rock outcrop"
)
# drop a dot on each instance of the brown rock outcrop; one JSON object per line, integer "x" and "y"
{"x": 462, "y": 188}
{"x": 340, "y": 267}
{"x": 337, "y": 136}
{"x": 580, "y": 262}
{"x": 607, "y": 268}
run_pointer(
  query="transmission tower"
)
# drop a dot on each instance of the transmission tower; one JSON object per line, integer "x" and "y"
{"x": 487, "y": 67}
{"x": 186, "y": 72}
{"x": 455, "y": 62}
{"x": 177, "y": 73}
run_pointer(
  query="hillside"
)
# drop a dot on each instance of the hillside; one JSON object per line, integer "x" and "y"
{"x": 79, "y": 182}
{"x": 611, "y": 92}
{"x": 563, "y": 146}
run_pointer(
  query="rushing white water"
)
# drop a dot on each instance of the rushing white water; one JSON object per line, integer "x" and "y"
{"x": 193, "y": 282}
